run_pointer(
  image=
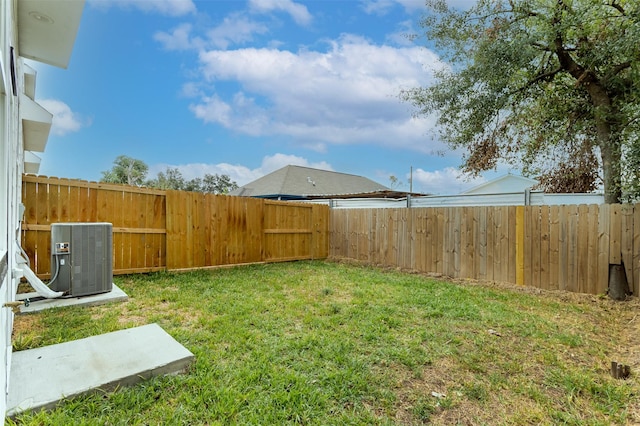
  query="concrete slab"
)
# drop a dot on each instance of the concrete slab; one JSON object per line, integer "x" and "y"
{"x": 38, "y": 304}
{"x": 42, "y": 377}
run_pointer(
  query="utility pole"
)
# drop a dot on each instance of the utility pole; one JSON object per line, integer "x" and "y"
{"x": 411, "y": 181}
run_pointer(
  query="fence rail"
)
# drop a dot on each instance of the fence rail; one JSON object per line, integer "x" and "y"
{"x": 156, "y": 230}
{"x": 550, "y": 247}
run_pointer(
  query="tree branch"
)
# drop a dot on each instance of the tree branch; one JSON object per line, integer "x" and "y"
{"x": 542, "y": 47}
{"x": 617, "y": 7}
{"x": 539, "y": 77}
{"x": 566, "y": 60}
{"x": 544, "y": 76}
{"x": 617, "y": 69}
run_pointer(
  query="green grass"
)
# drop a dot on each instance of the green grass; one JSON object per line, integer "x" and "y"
{"x": 333, "y": 344}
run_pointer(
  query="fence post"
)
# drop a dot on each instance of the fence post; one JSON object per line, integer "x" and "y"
{"x": 520, "y": 229}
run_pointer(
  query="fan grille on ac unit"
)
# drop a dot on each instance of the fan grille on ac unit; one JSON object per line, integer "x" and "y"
{"x": 85, "y": 264}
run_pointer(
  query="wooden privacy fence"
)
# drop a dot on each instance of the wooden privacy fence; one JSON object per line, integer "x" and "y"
{"x": 550, "y": 247}
{"x": 210, "y": 230}
{"x": 157, "y": 230}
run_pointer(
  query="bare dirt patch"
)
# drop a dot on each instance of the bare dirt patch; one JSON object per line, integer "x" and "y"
{"x": 26, "y": 323}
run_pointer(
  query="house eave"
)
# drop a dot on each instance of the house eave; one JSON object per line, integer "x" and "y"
{"x": 29, "y": 81}
{"x": 31, "y": 163}
{"x": 281, "y": 197}
{"x": 36, "y": 124}
{"x": 47, "y": 30}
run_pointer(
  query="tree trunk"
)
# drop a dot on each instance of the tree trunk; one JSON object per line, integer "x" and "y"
{"x": 606, "y": 116}
{"x": 606, "y": 113}
{"x": 611, "y": 151}
{"x": 611, "y": 157}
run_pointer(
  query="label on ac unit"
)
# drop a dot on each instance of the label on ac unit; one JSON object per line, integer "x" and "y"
{"x": 62, "y": 248}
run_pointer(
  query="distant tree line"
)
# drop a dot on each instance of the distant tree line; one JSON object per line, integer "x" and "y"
{"x": 130, "y": 171}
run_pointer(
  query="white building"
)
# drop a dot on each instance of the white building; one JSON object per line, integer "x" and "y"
{"x": 43, "y": 31}
{"x": 503, "y": 185}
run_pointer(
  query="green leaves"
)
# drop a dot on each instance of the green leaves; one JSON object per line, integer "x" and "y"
{"x": 537, "y": 83}
{"x": 129, "y": 171}
{"x": 126, "y": 170}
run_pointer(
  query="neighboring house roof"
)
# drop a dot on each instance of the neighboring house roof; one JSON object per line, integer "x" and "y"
{"x": 503, "y": 185}
{"x": 297, "y": 182}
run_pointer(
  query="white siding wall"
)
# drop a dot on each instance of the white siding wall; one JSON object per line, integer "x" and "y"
{"x": 10, "y": 187}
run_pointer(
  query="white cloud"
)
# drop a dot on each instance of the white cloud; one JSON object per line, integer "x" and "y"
{"x": 213, "y": 110}
{"x": 239, "y": 173}
{"x": 163, "y": 7}
{"x": 461, "y": 4}
{"x": 179, "y": 38}
{"x": 298, "y": 12}
{"x": 413, "y": 5}
{"x": 191, "y": 90}
{"x": 235, "y": 29}
{"x": 377, "y": 7}
{"x": 447, "y": 181}
{"x": 405, "y": 34}
{"x": 346, "y": 95}
{"x": 278, "y": 161}
{"x": 64, "y": 120}
{"x": 382, "y": 7}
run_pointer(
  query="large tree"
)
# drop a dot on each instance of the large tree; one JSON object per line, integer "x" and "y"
{"x": 552, "y": 86}
{"x": 218, "y": 184}
{"x": 131, "y": 171}
{"x": 126, "y": 170}
{"x": 172, "y": 178}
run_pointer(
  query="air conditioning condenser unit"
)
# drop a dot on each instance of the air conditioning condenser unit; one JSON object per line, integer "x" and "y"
{"x": 81, "y": 258}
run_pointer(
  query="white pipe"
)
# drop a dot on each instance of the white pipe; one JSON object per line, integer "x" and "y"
{"x": 40, "y": 287}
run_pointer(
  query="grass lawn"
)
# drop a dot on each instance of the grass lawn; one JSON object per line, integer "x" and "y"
{"x": 327, "y": 343}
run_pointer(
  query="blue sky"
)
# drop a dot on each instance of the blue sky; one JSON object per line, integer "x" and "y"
{"x": 245, "y": 87}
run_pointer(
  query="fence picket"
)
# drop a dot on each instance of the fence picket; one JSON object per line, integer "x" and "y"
{"x": 626, "y": 242}
{"x": 635, "y": 283}
{"x": 554, "y": 247}
{"x": 524, "y": 240}
{"x": 544, "y": 247}
{"x": 592, "y": 251}
{"x": 42, "y": 244}
{"x": 481, "y": 238}
{"x": 431, "y": 235}
{"x": 615, "y": 234}
{"x": 582, "y": 248}
{"x": 491, "y": 235}
{"x": 604, "y": 229}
